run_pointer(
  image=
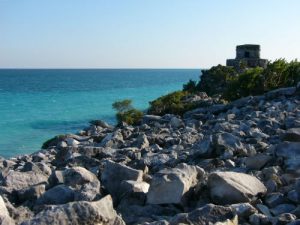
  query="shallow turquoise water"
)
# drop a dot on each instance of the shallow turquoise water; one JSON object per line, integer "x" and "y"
{"x": 35, "y": 105}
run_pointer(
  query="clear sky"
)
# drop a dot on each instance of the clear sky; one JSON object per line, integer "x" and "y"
{"x": 143, "y": 33}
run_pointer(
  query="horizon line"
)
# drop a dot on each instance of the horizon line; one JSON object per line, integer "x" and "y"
{"x": 96, "y": 68}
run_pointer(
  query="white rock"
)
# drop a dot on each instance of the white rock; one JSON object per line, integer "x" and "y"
{"x": 170, "y": 185}
{"x": 232, "y": 187}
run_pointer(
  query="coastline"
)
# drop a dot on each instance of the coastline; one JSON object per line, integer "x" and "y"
{"x": 37, "y": 105}
{"x": 221, "y": 162}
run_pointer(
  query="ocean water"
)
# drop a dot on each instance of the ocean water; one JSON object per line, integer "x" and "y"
{"x": 36, "y": 105}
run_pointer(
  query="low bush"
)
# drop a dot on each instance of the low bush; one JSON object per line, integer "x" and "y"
{"x": 131, "y": 117}
{"x": 127, "y": 113}
{"x": 171, "y": 103}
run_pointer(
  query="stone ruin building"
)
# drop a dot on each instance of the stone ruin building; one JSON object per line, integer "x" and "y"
{"x": 247, "y": 56}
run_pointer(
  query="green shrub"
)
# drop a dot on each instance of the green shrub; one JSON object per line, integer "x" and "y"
{"x": 280, "y": 73}
{"x": 250, "y": 82}
{"x": 131, "y": 117}
{"x": 127, "y": 113}
{"x": 215, "y": 80}
{"x": 171, "y": 103}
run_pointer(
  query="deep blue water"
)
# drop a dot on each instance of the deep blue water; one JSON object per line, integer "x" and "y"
{"x": 36, "y": 105}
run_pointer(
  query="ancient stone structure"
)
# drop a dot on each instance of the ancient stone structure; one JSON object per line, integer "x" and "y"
{"x": 248, "y": 56}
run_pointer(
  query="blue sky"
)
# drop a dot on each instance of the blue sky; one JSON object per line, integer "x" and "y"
{"x": 143, "y": 33}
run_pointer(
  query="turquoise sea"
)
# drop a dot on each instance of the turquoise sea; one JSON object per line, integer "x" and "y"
{"x": 38, "y": 104}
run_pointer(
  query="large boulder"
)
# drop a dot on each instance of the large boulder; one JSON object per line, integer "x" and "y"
{"x": 113, "y": 175}
{"x": 233, "y": 187}
{"x": 20, "y": 180}
{"x": 4, "y": 215}
{"x": 78, "y": 213}
{"x": 84, "y": 182}
{"x": 208, "y": 214}
{"x": 170, "y": 185}
{"x": 290, "y": 151}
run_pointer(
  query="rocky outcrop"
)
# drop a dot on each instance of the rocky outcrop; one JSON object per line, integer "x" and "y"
{"x": 235, "y": 163}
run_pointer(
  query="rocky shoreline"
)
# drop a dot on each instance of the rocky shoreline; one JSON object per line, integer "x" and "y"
{"x": 235, "y": 163}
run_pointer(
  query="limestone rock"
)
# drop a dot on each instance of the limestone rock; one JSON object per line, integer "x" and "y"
{"x": 233, "y": 187}
{"x": 290, "y": 151}
{"x": 142, "y": 142}
{"x": 227, "y": 141}
{"x": 209, "y": 214}
{"x": 114, "y": 173}
{"x": 257, "y": 162}
{"x": 85, "y": 183}
{"x": 77, "y": 213}
{"x": 243, "y": 209}
{"x": 292, "y": 134}
{"x": 176, "y": 122}
{"x": 170, "y": 185}
{"x": 59, "y": 194}
{"x": 4, "y": 215}
{"x": 21, "y": 180}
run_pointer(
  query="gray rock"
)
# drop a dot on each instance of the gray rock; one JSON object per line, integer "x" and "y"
{"x": 4, "y": 215}
{"x": 296, "y": 222}
{"x": 286, "y": 218}
{"x": 140, "y": 214}
{"x": 158, "y": 160}
{"x": 209, "y": 214}
{"x": 232, "y": 187}
{"x": 204, "y": 147}
{"x": 243, "y": 209}
{"x": 31, "y": 193}
{"x": 282, "y": 208}
{"x": 84, "y": 182}
{"x": 280, "y": 92}
{"x": 113, "y": 175}
{"x": 77, "y": 213}
{"x": 72, "y": 142}
{"x": 257, "y": 162}
{"x": 258, "y": 219}
{"x": 274, "y": 199}
{"x": 21, "y": 180}
{"x": 113, "y": 140}
{"x": 294, "y": 196}
{"x": 151, "y": 118}
{"x": 292, "y": 135}
{"x": 227, "y": 142}
{"x": 176, "y": 122}
{"x": 134, "y": 186}
{"x": 170, "y": 185}
{"x": 59, "y": 194}
{"x": 142, "y": 142}
{"x": 290, "y": 152}
{"x": 264, "y": 210}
